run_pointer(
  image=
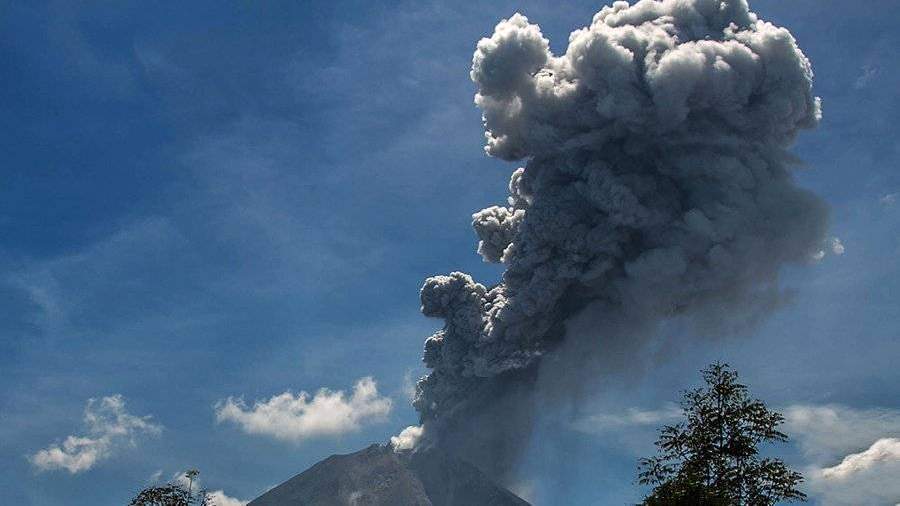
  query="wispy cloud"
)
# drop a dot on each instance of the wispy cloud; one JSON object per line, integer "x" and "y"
{"x": 64, "y": 289}
{"x": 598, "y": 423}
{"x": 867, "y": 74}
{"x": 291, "y": 417}
{"x": 109, "y": 427}
{"x": 629, "y": 430}
{"x": 409, "y": 385}
{"x": 80, "y": 59}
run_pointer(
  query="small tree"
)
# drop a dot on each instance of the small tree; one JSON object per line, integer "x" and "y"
{"x": 172, "y": 494}
{"x": 190, "y": 474}
{"x": 712, "y": 457}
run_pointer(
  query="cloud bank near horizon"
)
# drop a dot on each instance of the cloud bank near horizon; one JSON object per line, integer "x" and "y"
{"x": 850, "y": 456}
{"x": 853, "y": 454}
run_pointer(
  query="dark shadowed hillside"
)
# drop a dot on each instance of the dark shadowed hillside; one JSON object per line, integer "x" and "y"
{"x": 379, "y": 476}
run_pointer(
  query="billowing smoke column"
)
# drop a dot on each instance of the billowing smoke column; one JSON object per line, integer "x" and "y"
{"x": 656, "y": 184}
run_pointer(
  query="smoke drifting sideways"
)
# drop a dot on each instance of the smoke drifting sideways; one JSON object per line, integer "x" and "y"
{"x": 657, "y": 184}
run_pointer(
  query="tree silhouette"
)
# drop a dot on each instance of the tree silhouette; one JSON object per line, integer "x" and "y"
{"x": 172, "y": 494}
{"x": 712, "y": 457}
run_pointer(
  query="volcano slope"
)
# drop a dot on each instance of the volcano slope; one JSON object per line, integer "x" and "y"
{"x": 379, "y": 476}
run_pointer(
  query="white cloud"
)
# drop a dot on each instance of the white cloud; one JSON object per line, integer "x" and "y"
{"x": 292, "y": 417}
{"x": 409, "y": 385}
{"x": 889, "y": 199}
{"x": 408, "y": 438}
{"x": 833, "y": 245}
{"x": 216, "y": 497}
{"x": 837, "y": 247}
{"x": 109, "y": 426}
{"x": 883, "y": 451}
{"x": 861, "y": 479}
{"x": 827, "y": 433}
{"x": 854, "y": 454}
{"x": 182, "y": 479}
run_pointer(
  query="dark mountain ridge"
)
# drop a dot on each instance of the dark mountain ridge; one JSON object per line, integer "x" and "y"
{"x": 379, "y": 476}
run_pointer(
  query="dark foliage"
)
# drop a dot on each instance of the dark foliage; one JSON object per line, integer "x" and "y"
{"x": 170, "y": 494}
{"x": 712, "y": 458}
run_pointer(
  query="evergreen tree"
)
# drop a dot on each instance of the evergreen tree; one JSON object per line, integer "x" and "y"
{"x": 712, "y": 457}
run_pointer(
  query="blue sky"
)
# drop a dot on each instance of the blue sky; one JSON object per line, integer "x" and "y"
{"x": 238, "y": 199}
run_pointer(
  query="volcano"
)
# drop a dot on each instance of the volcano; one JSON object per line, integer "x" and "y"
{"x": 379, "y": 476}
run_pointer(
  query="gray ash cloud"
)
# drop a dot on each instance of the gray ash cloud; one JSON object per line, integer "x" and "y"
{"x": 656, "y": 183}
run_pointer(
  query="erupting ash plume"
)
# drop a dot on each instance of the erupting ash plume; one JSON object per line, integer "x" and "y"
{"x": 656, "y": 184}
